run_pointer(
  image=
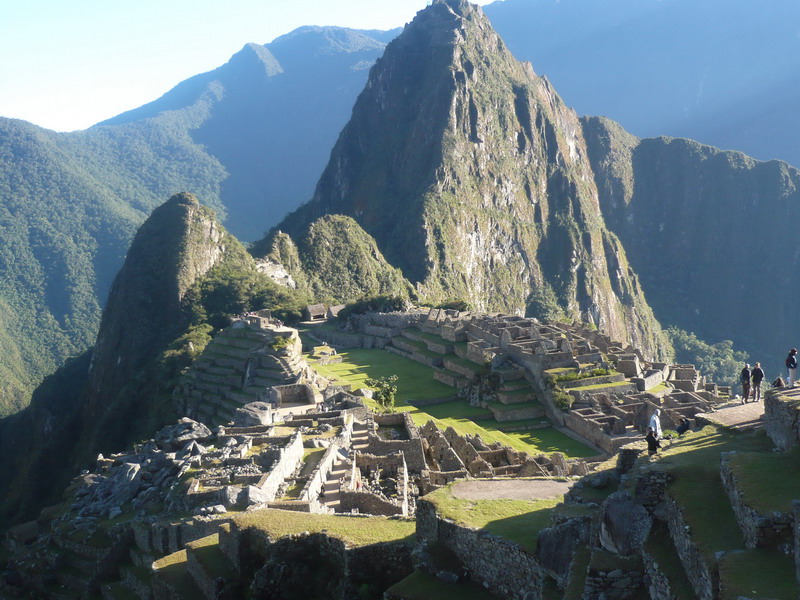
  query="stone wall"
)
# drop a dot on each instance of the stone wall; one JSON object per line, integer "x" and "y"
{"x": 704, "y": 578}
{"x": 290, "y": 457}
{"x": 316, "y": 481}
{"x": 769, "y": 530}
{"x": 782, "y": 419}
{"x": 658, "y": 584}
{"x": 367, "y": 503}
{"x": 411, "y": 448}
{"x": 498, "y": 564}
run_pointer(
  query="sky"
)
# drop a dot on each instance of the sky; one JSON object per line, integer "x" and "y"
{"x": 66, "y": 65}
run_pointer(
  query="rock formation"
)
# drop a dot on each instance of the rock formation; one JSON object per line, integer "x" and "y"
{"x": 474, "y": 179}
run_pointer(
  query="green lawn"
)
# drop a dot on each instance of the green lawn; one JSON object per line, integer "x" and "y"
{"x": 420, "y": 586}
{"x": 354, "y": 531}
{"x": 693, "y": 461}
{"x": 768, "y": 481}
{"x": 517, "y": 520}
{"x": 416, "y": 382}
{"x": 758, "y": 573}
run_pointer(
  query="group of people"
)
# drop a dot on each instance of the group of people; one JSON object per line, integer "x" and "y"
{"x": 751, "y": 378}
{"x": 751, "y": 382}
{"x": 653, "y": 437}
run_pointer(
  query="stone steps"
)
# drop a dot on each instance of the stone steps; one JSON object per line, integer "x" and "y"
{"x": 207, "y": 565}
{"x": 517, "y": 396}
{"x": 450, "y": 378}
{"x": 173, "y": 580}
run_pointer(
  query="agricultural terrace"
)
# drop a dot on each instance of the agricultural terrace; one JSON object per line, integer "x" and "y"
{"x": 416, "y": 383}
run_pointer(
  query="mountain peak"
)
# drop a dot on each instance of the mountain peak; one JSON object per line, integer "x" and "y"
{"x": 473, "y": 177}
{"x": 256, "y": 56}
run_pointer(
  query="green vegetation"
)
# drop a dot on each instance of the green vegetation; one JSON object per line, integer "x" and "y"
{"x": 719, "y": 362}
{"x": 420, "y": 586}
{"x": 659, "y": 545}
{"x": 758, "y": 573}
{"x": 693, "y": 460}
{"x": 385, "y": 391}
{"x": 415, "y": 382}
{"x": 562, "y": 399}
{"x": 763, "y": 481}
{"x": 354, "y": 531}
{"x": 516, "y": 520}
{"x": 575, "y": 375}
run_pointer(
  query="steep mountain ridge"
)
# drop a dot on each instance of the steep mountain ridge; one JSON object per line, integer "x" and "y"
{"x": 244, "y": 137}
{"x": 473, "y": 177}
{"x": 710, "y": 232}
{"x": 107, "y": 397}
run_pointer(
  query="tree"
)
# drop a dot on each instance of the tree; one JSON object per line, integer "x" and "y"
{"x": 385, "y": 390}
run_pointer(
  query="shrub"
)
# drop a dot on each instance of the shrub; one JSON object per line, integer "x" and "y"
{"x": 385, "y": 391}
{"x": 562, "y": 399}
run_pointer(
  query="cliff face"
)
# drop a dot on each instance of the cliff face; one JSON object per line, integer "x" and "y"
{"x": 178, "y": 244}
{"x": 473, "y": 177}
{"x": 710, "y": 232}
{"x": 336, "y": 260}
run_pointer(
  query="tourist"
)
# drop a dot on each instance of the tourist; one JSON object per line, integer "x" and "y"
{"x": 652, "y": 442}
{"x": 655, "y": 423}
{"x": 757, "y": 377}
{"x": 791, "y": 366}
{"x": 744, "y": 378}
{"x": 779, "y": 383}
{"x": 683, "y": 426}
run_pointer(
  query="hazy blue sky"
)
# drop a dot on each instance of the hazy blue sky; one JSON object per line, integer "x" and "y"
{"x": 66, "y": 65}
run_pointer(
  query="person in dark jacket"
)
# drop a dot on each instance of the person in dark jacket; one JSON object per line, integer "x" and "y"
{"x": 683, "y": 426}
{"x": 757, "y": 377}
{"x": 652, "y": 442}
{"x": 791, "y": 366}
{"x": 744, "y": 378}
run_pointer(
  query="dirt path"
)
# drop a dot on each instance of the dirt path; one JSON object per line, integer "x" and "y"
{"x": 738, "y": 416}
{"x": 511, "y": 489}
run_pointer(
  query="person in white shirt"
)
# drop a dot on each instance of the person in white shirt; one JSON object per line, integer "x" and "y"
{"x": 655, "y": 423}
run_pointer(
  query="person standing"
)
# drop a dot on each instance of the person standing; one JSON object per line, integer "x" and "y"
{"x": 652, "y": 442}
{"x": 757, "y": 377}
{"x": 791, "y": 366}
{"x": 744, "y": 378}
{"x": 655, "y": 423}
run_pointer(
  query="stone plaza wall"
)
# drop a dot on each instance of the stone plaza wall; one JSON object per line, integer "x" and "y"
{"x": 704, "y": 578}
{"x": 498, "y": 564}
{"x": 758, "y": 529}
{"x": 782, "y": 419}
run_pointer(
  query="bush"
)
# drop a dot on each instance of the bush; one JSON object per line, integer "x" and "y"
{"x": 562, "y": 399}
{"x": 385, "y": 391}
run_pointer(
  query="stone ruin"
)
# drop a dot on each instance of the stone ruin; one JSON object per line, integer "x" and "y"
{"x": 450, "y": 457}
{"x": 255, "y": 359}
{"x": 529, "y": 359}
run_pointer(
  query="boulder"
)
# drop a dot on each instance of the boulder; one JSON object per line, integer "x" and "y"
{"x": 253, "y": 414}
{"x": 174, "y": 437}
{"x": 556, "y": 545}
{"x": 624, "y": 526}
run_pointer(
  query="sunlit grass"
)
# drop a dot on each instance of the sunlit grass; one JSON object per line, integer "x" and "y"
{"x": 416, "y": 383}
{"x": 354, "y": 531}
{"x": 516, "y": 520}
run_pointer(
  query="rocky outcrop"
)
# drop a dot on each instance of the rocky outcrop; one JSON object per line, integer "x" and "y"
{"x": 704, "y": 228}
{"x": 474, "y": 179}
{"x": 178, "y": 244}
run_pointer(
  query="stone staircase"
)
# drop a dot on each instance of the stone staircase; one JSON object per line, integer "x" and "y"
{"x": 516, "y": 398}
{"x": 237, "y": 367}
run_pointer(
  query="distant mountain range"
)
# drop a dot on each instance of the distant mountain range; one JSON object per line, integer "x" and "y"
{"x": 252, "y": 137}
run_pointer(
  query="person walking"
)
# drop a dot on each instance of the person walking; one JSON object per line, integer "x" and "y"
{"x": 757, "y": 377}
{"x": 791, "y": 366}
{"x": 652, "y": 442}
{"x": 744, "y": 378}
{"x": 655, "y": 423}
